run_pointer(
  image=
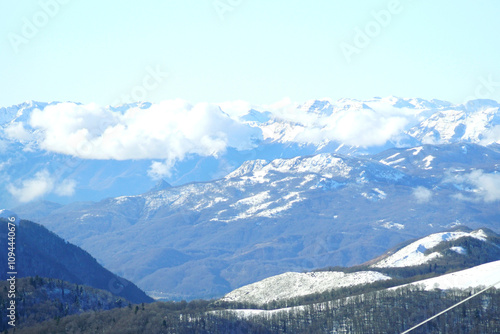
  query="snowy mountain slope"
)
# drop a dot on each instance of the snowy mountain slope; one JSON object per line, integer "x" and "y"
{"x": 427, "y": 122}
{"x": 438, "y": 245}
{"x": 415, "y": 253}
{"x": 290, "y": 285}
{"x": 479, "y": 276}
{"x": 454, "y": 158}
{"x": 466, "y": 123}
{"x": 20, "y": 112}
{"x": 476, "y": 277}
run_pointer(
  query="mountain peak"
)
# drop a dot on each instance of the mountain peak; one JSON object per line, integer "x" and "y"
{"x": 321, "y": 107}
{"x": 161, "y": 185}
{"x": 423, "y": 251}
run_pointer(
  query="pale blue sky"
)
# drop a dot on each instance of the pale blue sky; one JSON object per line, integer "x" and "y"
{"x": 260, "y": 51}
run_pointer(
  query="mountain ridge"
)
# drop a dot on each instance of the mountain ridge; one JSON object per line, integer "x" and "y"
{"x": 288, "y": 130}
{"x": 255, "y": 217}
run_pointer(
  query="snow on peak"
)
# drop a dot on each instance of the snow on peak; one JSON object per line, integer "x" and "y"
{"x": 17, "y": 113}
{"x": 317, "y": 106}
{"x": 326, "y": 164}
{"x": 414, "y": 253}
{"x": 247, "y": 167}
{"x": 351, "y": 104}
{"x": 290, "y": 285}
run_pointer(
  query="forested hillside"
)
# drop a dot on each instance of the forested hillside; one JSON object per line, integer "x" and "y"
{"x": 388, "y": 311}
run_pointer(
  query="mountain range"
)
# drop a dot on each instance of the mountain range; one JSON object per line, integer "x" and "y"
{"x": 203, "y": 239}
{"x": 65, "y": 167}
{"x": 285, "y": 187}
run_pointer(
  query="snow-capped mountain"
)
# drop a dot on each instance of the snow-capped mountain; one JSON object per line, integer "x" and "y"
{"x": 19, "y": 113}
{"x": 471, "y": 122}
{"x": 286, "y": 130}
{"x": 417, "y": 253}
{"x": 427, "y": 250}
{"x": 282, "y": 187}
{"x": 425, "y": 122}
{"x": 265, "y": 218}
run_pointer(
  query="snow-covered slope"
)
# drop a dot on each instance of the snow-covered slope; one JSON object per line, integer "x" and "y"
{"x": 438, "y": 160}
{"x": 482, "y": 275}
{"x": 414, "y": 253}
{"x": 290, "y": 285}
{"x": 476, "y": 277}
{"x": 427, "y": 122}
{"x": 465, "y": 123}
{"x": 19, "y": 113}
{"x": 328, "y": 165}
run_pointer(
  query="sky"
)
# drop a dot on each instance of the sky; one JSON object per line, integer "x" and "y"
{"x": 110, "y": 52}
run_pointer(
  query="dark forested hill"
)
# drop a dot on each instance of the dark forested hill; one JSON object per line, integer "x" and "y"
{"x": 40, "y": 252}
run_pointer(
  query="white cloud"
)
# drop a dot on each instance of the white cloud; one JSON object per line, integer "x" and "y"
{"x": 169, "y": 130}
{"x": 17, "y": 131}
{"x": 65, "y": 188}
{"x": 159, "y": 170}
{"x": 422, "y": 194}
{"x": 351, "y": 123}
{"x": 491, "y": 136}
{"x": 486, "y": 185}
{"x": 41, "y": 184}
